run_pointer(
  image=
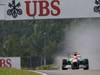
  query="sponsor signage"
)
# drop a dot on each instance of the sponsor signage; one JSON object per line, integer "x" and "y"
{"x": 13, "y": 62}
{"x": 33, "y": 9}
{"x": 51, "y": 9}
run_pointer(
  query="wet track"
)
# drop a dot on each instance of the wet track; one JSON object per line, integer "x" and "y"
{"x": 71, "y": 72}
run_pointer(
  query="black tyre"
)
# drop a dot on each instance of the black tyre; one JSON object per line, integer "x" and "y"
{"x": 63, "y": 67}
{"x": 64, "y": 63}
{"x": 86, "y": 64}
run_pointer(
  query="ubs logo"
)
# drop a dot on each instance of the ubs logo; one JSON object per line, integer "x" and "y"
{"x": 97, "y": 7}
{"x": 14, "y": 9}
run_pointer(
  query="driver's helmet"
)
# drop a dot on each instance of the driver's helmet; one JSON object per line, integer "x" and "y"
{"x": 75, "y": 53}
{"x": 74, "y": 56}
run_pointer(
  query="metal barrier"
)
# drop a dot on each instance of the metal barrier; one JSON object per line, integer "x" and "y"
{"x": 34, "y": 61}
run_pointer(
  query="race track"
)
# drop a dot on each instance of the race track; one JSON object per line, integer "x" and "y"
{"x": 71, "y": 72}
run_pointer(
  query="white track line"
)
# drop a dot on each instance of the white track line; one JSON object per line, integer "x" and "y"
{"x": 38, "y": 72}
{"x": 41, "y": 73}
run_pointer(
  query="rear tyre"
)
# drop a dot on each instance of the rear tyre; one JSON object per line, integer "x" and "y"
{"x": 86, "y": 64}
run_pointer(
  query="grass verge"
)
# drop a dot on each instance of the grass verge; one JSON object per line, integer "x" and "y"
{"x": 10, "y": 71}
{"x": 46, "y": 67}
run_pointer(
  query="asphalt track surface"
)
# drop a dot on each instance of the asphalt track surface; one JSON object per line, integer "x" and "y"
{"x": 70, "y": 72}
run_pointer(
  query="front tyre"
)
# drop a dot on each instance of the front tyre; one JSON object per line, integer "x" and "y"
{"x": 63, "y": 68}
{"x": 64, "y": 63}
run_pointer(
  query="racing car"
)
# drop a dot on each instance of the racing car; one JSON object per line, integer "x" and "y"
{"x": 75, "y": 62}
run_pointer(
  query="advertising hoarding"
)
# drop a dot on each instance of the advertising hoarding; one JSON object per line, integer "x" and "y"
{"x": 13, "y": 62}
{"x": 51, "y": 9}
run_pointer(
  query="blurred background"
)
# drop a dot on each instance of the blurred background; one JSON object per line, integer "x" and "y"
{"x": 46, "y": 42}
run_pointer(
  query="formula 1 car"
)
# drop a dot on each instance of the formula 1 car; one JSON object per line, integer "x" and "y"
{"x": 75, "y": 64}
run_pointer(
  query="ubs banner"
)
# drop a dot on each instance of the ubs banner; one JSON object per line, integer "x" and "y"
{"x": 51, "y": 9}
{"x": 13, "y": 62}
